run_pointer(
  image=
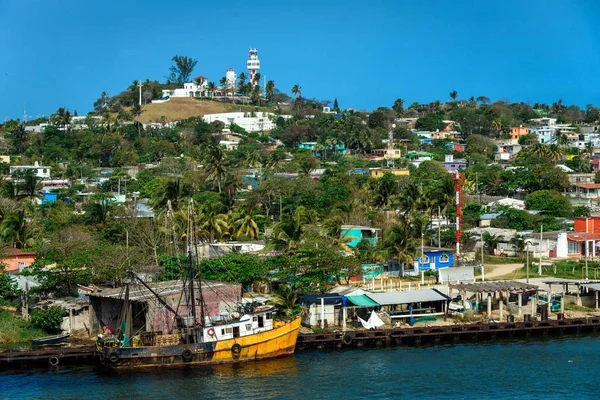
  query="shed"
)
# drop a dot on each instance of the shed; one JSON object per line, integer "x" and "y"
{"x": 329, "y": 313}
{"x": 414, "y": 303}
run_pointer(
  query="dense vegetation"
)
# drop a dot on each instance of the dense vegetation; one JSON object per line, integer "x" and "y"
{"x": 89, "y": 238}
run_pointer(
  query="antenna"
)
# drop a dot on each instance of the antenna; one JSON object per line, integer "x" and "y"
{"x": 390, "y": 149}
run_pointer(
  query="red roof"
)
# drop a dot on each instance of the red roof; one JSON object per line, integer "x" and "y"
{"x": 582, "y": 236}
{"x": 588, "y": 185}
{"x": 12, "y": 252}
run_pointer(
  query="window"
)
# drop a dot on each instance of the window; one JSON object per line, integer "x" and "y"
{"x": 254, "y": 319}
{"x": 248, "y": 327}
{"x": 574, "y": 248}
{"x": 269, "y": 316}
{"x": 425, "y": 260}
{"x": 222, "y": 331}
{"x": 229, "y": 330}
{"x": 444, "y": 258}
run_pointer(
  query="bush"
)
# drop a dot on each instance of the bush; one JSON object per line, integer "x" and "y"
{"x": 49, "y": 319}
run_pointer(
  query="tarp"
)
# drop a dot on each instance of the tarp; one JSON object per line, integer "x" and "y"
{"x": 362, "y": 301}
{"x": 373, "y": 322}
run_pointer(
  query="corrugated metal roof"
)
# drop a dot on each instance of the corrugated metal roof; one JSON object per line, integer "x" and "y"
{"x": 362, "y": 301}
{"x": 412, "y": 296}
{"x": 593, "y": 286}
{"x": 163, "y": 289}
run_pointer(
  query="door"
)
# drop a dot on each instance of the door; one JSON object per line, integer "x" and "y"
{"x": 236, "y": 331}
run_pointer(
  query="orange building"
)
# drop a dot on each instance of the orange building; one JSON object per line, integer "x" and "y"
{"x": 589, "y": 224}
{"x": 518, "y": 131}
{"x": 15, "y": 260}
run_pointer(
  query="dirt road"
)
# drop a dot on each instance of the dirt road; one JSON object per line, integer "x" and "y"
{"x": 496, "y": 270}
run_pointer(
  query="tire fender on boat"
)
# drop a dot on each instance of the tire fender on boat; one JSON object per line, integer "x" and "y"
{"x": 347, "y": 340}
{"x": 53, "y": 361}
{"x": 113, "y": 357}
{"x": 187, "y": 355}
{"x": 236, "y": 349}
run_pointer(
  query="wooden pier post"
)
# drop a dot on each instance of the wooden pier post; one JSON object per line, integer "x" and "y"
{"x": 489, "y": 306}
{"x": 520, "y": 303}
{"x": 549, "y": 304}
{"x": 562, "y": 302}
{"x": 501, "y": 306}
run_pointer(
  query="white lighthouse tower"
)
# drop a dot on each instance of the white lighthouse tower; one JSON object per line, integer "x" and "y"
{"x": 253, "y": 64}
{"x": 230, "y": 76}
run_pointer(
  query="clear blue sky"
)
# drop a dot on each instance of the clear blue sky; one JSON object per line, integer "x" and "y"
{"x": 365, "y": 53}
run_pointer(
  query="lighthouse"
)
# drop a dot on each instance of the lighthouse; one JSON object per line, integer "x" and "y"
{"x": 253, "y": 64}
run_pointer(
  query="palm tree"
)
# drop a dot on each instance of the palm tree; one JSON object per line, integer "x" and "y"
{"x": 270, "y": 90}
{"x": 244, "y": 224}
{"x": 173, "y": 191}
{"x": 453, "y": 95}
{"x": 518, "y": 242}
{"x": 297, "y": 90}
{"x": 255, "y": 94}
{"x": 257, "y": 77}
{"x": 136, "y": 111}
{"x": 29, "y": 185}
{"x": 224, "y": 84}
{"x": 211, "y": 88}
{"x": 14, "y": 229}
{"x": 98, "y": 212}
{"x": 212, "y": 222}
{"x": 490, "y": 242}
{"x": 290, "y": 229}
{"x": 561, "y": 138}
{"x": 554, "y": 153}
{"x": 287, "y": 298}
{"x": 399, "y": 243}
{"x": 215, "y": 161}
{"x": 497, "y": 125}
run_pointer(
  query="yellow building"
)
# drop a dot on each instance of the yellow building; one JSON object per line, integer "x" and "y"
{"x": 379, "y": 172}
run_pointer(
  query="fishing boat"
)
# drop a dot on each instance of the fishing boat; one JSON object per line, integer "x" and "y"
{"x": 247, "y": 332}
{"x": 49, "y": 340}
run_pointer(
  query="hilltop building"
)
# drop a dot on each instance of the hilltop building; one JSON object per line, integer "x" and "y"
{"x": 253, "y": 64}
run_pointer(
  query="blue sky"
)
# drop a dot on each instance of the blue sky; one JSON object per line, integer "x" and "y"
{"x": 64, "y": 53}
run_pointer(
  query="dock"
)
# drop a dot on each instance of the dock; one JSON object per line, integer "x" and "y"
{"x": 47, "y": 356}
{"x": 447, "y": 334}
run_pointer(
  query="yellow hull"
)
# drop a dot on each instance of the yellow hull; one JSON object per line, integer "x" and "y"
{"x": 277, "y": 342}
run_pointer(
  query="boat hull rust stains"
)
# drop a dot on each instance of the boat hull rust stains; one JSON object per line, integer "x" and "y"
{"x": 277, "y": 342}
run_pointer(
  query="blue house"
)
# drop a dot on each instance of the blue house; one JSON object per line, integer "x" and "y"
{"x": 354, "y": 234}
{"x": 434, "y": 259}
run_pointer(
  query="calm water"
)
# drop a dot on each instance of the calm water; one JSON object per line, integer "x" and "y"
{"x": 557, "y": 369}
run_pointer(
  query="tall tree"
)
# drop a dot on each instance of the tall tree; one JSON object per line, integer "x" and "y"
{"x": 398, "y": 107}
{"x": 211, "y": 88}
{"x": 182, "y": 70}
{"x": 270, "y": 90}
{"x": 453, "y": 95}
{"x": 297, "y": 90}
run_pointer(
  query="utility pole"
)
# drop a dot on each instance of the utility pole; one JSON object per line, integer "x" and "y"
{"x": 527, "y": 267}
{"x": 140, "y": 86}
{"x": 541, "y": 235}
{"x": 482, "y": 267}
{"x": 439, "y": 229}
{"x": 422, "y": 259}
{"x": 586, "y": 260}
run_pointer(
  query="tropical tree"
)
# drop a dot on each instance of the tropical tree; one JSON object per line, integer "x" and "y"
{"x": 213, "y": 222}
{"x": 182, "y": 70}
{"x": 490, "y": 242}
{"x": 270, "y": 90}
{"x": 297, "y": 90}
{"x": 244, "y": 224}
{"x": 518, "y": 242}
{"x": 398, "y": 107}
{"x": 399, "y": 243}
{"x": 453, "y": 95}
{"x": 215, "y": 162}
{"x": 224, "y": 83}
{"x": 210, "y": 87}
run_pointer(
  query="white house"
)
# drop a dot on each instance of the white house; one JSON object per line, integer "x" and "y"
{"x": 39, "y": 171}
{"x": 262, "y": 121}
{"x": 190, "y": 89}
